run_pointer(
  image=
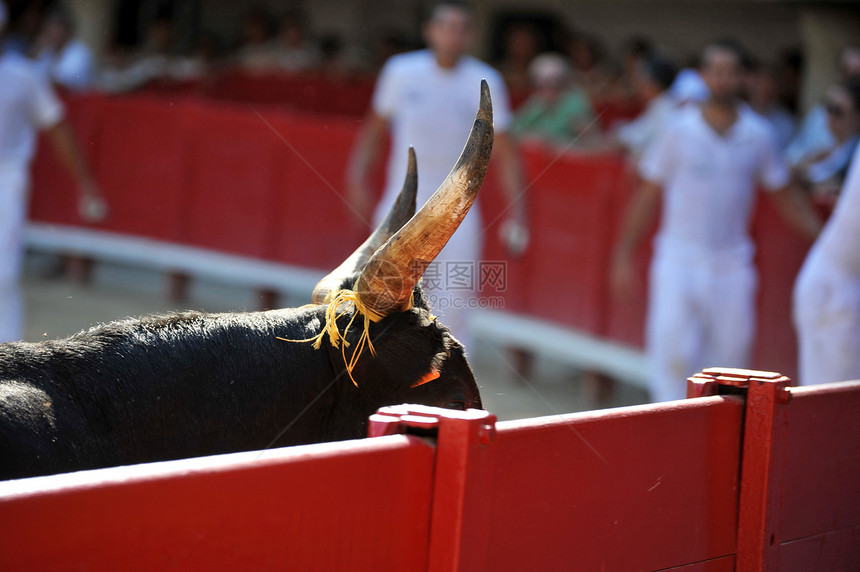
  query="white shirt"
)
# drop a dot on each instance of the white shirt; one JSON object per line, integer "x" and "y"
{"x": 689, "y": 87}
{"x": 432, "y": 109}
{"x": 27, "y": 103}
{"x": 637, "y": 134}
{"x": 709, "y": 180}
{"x": 72, "y": 67}
{"x": 840, "y": 240}
{"x": 814, "y": 136}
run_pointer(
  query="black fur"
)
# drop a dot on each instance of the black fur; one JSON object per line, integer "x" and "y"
{"x": 192, "y": 384}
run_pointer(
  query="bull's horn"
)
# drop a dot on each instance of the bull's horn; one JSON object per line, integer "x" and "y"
{"x": 400, "y": 212}
{"x": 386, "y": 283}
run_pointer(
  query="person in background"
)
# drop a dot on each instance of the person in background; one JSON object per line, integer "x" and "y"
{"x": 27, "y": 104}
{"x": 824, "y": 172}
{"x": 703, "y": 168}
{"x": 653, "y": 79}
{"x": 814, "y": 134}
{"x": 428, "y": 98}
{"x": 689, "y": 87}
{"x": 557, "y": 111}
{"x": 522, "y": 44}
{"x": 333, "y": 61}
{"x": 200, "y": 61}
{"x": 826, "y": 300}
{"x": 63, "y": 58}
{"x": 22, "y": 28}
{"x": 788, "y": 71}
{"x": 625, "y": 86}
{"x": 254, "y": 53}
{"x": 292, "y": 51}
{"x": 153, "y": 60}
{"x": 588, "y": 66}
{"x": 763, "y": 98}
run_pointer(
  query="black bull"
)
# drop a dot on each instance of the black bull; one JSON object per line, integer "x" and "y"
{"x": 192, "y": 384}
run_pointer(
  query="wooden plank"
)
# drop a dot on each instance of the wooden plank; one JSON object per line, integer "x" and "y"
{"x": 638, "y": 488}
{"x": 337, "y": 506}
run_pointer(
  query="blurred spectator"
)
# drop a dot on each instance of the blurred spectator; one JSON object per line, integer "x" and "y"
{"x": 521, "y": 44}
{"x": 689, "y": 87}
{"x": 827, "y": 294}
{"x": 588, "y": 70}
{"x": 654, "y": 76}
{"x": 292, "y": 50}
{"x": 255, "y": 50}
{"x": 126, "y": 73}
{"x": 21, "y": 29}
{"x": 28, "y": 103}
{"x": 428, "y": 98}
{"x": 626, "y": 86}
{"x": 333, "y": 63}
{"x": 789, "y": 72}
{"x": 703, "y": 170}
{"x": 202, "y": 59}
{"x": 824, "y": 172}
{"x": 63, "y": 58}
{"x": 763, "y": 98}
{"x": 558, "y": 111}
{"x": 814, "y": 135}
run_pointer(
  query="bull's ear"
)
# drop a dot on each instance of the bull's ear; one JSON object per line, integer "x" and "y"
{"x": 386, "y": 282}
{"x": 401, "y": 211}
{"x": 427, "y": 377}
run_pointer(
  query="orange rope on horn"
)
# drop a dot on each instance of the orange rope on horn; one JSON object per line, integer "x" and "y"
{"x": 332, "y": 314}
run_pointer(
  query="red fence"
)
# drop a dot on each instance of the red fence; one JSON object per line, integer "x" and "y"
{"x": 266, "y": 183}
{"x": 758, "y": 476}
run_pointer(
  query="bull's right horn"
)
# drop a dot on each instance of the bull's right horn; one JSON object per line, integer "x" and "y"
{"x": 385, "y": 285}
{"x": 400, "y": 212}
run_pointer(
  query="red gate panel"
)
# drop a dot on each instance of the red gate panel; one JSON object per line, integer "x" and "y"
{"x": 640, "y": 488}
{"x": 819, "y": 492}
{"x": 355, "y": 505}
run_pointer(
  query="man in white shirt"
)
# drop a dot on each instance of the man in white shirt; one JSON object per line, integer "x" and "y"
{"x": 428, "y": 99}
{"x": 705, "y": 167}
{"x": 27, "y": 103}
{"x": 827, "y": 293}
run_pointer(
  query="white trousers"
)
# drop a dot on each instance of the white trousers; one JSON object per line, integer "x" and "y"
{"x": 827, "y": 318}
{"x": 13, "y": 205}
{"x": 701, "y": 313}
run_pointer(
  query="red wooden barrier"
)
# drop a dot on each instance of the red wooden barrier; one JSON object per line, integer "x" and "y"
{"x": 817, "y": 505}
{"x": 642, "y": 488}
{"x": 343, "y": 506}
{"x": 758, "y": 476}
{"x": 799, "y": 506}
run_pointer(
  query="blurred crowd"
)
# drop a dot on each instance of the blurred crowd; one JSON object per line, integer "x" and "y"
{"x": 264, "y": 44}
{"x": 568, "y": 89}
{"x": 564, "y": 87}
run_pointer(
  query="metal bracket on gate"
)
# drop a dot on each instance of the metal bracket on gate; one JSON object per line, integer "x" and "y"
{"x": 729, "y": 381}
{"x": 425, "y": 421}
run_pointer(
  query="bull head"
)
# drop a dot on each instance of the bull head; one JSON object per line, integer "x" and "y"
{"x": 383, "y": 274}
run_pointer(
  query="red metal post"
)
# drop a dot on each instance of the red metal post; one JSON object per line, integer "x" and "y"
{"x": 458, "y": 531}
{"x": 763, "y": 458}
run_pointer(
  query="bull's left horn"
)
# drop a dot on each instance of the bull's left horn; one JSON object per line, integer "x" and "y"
{"x": 400, "y": 212}
{"x": 386, "y": 283}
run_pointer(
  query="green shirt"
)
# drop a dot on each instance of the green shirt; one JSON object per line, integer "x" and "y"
{"x": 556, "y": 120}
